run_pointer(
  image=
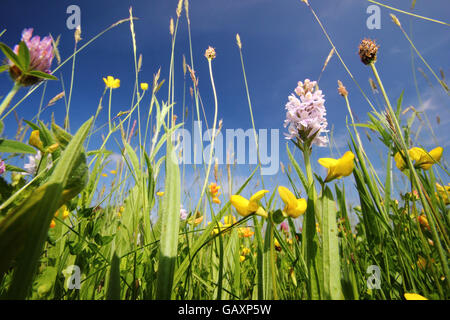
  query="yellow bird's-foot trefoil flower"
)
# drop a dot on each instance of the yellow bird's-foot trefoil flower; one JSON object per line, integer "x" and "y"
{"x": 420, "y": 158}
{"x": 414, "y": 296}
{"x": 294, "y": 207}
{"x": 246, "y": 232}
{"x": 338, "y": 168}
{"x": 245, "y": 207}
{"x": 443, "y": 192}
{"x": 214, "y": 191}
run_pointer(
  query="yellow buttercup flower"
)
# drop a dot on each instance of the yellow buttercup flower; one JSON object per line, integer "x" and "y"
{"x": 414, "y": 296}
{"x": 293, "y": 207}
{"x": 160, "y": 193}
{"x": 144, "y": 86}
{"x": 111, "y": 83}
{"x": 104, "y": 175}
{"x": 113, "y": 172}
{"x": 245, "y": 207}
{"x": 241, "y": 258}
{"x": 421, "y": 158}
{"x": 338, "y": 168}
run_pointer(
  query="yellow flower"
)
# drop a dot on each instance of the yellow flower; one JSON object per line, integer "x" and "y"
{"x": 160, "y": 193}
{"x": 111, "y": 82}
{"x": 52, "y": 224}
{"x": 245, "y": 207}
{"x": 196, "y": 221}
{"x": 443, "y": 192}
{"x": 338, "y": 168}
{"x": 241, "y": 258}
{"x": 424, "y": 222}
{"x": 216, "y": 200}
{"x": 245, "y": 251}
{"x": 66, "y": 213}
{"x": 229, "y": 220}
{"x": 144, "y": 86}
{"x": 113, "y": 172}
{"x": 245, "y": 232}
{"x": 414, "y": 296}
{"x": 293, "y": 207}
{"x": 214, "y": 189}
{"x": 52, "y": 148}
{"x": 277, "y": 245}
{"x": 104, "y": 175}
{"x": 121, "y": 210}
{"x": 421, "y": 158}
{"x": 35, "y": 141}
{"x": 216, "y": 230}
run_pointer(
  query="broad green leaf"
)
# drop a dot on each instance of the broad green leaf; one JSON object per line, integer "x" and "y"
{"x": 170, "y": 222}
{"x": 12, "y": 146}
{"x": 331, "y": 272}
{"x": 9, "y": 53}
{"x": 113, "y": 290}
{"x": 24, "y": 230}
{"x": 24, "y": 56}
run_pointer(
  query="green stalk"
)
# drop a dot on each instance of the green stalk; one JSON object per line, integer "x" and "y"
{"x": 309, "y": 242}
{"x": 7, "y": 100}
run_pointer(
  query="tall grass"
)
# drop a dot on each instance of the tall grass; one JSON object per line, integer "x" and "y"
{"x": 129, "y": 242}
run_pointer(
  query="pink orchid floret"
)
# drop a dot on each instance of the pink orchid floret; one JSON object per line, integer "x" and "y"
{"x": 305, "y": 116}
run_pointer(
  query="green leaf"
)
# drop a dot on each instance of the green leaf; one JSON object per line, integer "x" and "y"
{"x": 24, "y": 230}
{"x": 24, "y": 56}
{"x": 9, "y": 167}
{"x": 9, "y": 53}
{"x": 113, "y": 290}
{"x": 4, "y": 68}
{"x": 12, "y": 146}
{"x": 170, "y": 223}
{"x": 41, "y": 75}
{"x": 331, "y": 271}
{"x": 32, "y": 125}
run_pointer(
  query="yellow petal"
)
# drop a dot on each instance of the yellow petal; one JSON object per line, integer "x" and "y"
{"x": 414, "y": 296}
{"x": 345, "y": 164}
{"x": 327, "y": 162}
{"x": 299, "y": 209}
{"x": 241, "y": 205}
{"x": 399, "y": 161}
{"x": 254, "y": 200}
{"x": 258, "y": 196}
{"x": 288, "y": 198}
{"x": 229, "y": 220}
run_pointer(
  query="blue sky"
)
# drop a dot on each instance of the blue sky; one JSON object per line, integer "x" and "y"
{"x": 282, "y": 44}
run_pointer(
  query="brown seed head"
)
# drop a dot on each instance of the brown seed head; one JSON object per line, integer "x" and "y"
{"x": 368, "y": 51}
{"x": 341, "y": 89}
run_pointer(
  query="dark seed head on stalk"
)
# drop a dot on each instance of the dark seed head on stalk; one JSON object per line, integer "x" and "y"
{"x": 368, "y": 51}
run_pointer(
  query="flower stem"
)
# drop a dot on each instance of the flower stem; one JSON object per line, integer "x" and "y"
{"x": 7, "y": 100}
{"x": 109, "y": 109}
